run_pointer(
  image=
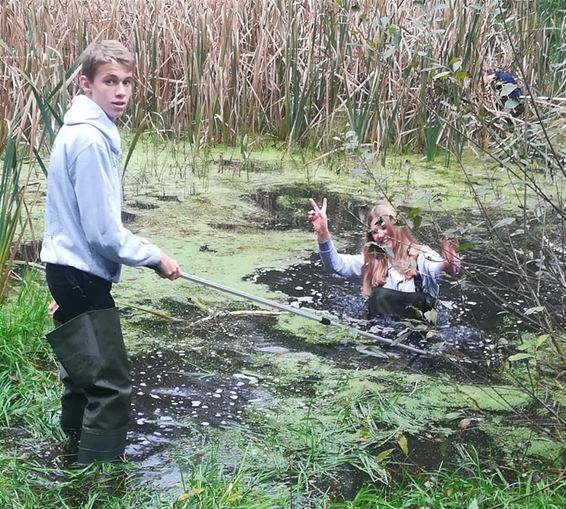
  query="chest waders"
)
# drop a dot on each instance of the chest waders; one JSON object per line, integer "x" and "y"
{"x": 411, "y": 305}
{"x": 98, "y": 386}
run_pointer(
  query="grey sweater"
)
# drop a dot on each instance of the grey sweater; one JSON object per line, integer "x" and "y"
{"x": 83, "y": 224}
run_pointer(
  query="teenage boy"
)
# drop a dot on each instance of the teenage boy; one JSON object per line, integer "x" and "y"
{"x": 84, "y": 246}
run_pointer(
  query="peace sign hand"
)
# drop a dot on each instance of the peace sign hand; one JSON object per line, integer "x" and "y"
{"x": 319, "y": 220}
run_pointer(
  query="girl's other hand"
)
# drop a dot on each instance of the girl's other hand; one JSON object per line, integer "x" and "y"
{"x": 451, "y": 257}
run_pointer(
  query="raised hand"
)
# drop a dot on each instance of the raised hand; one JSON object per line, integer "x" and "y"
{"x": 451, "y": 257}
{"x": 319, "y": 220}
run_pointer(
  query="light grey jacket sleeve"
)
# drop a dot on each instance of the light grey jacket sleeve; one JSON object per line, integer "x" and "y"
{"x": 343, "y": 264}
{"x": 99, "y": 198}
{"x": 431, "y": 266}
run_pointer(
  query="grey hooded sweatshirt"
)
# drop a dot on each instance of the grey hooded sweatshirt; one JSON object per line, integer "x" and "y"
{"x": 83, "y": 223}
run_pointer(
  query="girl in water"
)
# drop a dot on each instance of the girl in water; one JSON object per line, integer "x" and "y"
{"x": 398, "y": 273}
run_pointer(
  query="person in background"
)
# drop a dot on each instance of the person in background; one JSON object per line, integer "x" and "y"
{"x": 508, "y": 93}
{"x": 84, "y": 247}
{"x": 399, "y": 274}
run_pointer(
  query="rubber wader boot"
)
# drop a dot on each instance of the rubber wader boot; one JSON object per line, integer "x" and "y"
{"x": 385, "y": 301}
{"x": 73, "y": 402}
{"x": 91, "y": 349}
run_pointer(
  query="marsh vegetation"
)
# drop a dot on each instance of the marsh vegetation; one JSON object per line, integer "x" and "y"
{"x": 242, "y": 111}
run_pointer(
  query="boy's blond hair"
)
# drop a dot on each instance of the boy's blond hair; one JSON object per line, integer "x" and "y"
{"x": 104, "y": 52}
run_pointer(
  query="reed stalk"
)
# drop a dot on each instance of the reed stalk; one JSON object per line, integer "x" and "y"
{"x": 11, "y": 199}
{"x": 280, "y": 68}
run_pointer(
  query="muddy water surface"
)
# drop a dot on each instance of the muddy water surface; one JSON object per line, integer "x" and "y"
{"x": 224, "y": 374}
{"x": 215, "y": 375}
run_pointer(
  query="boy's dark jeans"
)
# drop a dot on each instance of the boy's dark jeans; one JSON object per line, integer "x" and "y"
{"x": 76, "y": 291}
{"x": 100, "y": 407}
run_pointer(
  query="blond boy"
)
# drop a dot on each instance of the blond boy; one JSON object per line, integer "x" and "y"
{"x": 84, "y": 247}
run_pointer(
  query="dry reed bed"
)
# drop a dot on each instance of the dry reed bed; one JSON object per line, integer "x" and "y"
{"x": 216, "y": 70}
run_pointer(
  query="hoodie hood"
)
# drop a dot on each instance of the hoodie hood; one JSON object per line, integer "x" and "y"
{"x": 86, "y": 111}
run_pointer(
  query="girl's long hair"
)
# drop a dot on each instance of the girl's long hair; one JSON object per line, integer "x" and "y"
{"x": 376, "y": 263}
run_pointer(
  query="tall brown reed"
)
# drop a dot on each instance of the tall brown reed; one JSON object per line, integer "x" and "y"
{"x": 283, "y": 68}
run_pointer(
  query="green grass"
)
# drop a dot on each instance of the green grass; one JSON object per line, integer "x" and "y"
{"x": 28, "y": 386}
{"x": 25, "y": 485}
{"x": 213, "y": 486}
{"x": 459, "y": 490}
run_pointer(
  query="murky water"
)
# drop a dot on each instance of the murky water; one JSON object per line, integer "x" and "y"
{"x": 182, "y": 391}
{"x": 179, "y": 393}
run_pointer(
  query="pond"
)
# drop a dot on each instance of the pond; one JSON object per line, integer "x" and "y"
{"x": 216, "y": 371}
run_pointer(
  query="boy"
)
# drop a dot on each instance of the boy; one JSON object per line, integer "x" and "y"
{"x": 84, "y": 246}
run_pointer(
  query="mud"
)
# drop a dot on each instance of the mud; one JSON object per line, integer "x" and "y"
{"x": 29, "y": 251}
{"x": 173, "y": 396}
{"x": 142, "y": 205}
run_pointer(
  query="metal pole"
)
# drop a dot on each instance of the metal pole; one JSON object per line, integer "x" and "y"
{"x": 301, "y": 312}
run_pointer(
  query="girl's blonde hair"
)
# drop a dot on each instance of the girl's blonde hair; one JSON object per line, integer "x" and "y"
{"x": 376, "y": 266}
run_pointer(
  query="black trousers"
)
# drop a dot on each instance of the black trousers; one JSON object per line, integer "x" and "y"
{"x": 76, "y": 291}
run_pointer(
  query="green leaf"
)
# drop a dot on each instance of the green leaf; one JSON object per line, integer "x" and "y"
{"x": 4, "y": 45}
{"x": 441, "y": 75}
{"x": 403, "y": 444}
{"x": 132, "y": 147}
{"x": 541, "y": 339}
{"x": 431, "y": 316}
{"x": 417, "y": 221}
{"x": 383, "y": 455}
{"x": 456, "y": 64}
{"x": 465, "y": 245}
{"x": 519, "y": 357}
{"x": 536, "y": 309}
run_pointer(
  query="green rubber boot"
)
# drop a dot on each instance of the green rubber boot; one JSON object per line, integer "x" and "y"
{"x": 73, "y": 402}
{"x": 91, "y": 349}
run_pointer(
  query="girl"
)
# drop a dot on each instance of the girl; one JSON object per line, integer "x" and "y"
{"x": 398, "y": 273}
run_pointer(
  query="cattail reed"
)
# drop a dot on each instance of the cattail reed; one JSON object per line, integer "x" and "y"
{"x": 299, "y": 71}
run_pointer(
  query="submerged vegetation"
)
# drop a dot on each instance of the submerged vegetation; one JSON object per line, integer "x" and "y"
{"x": 241, "y": 111}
